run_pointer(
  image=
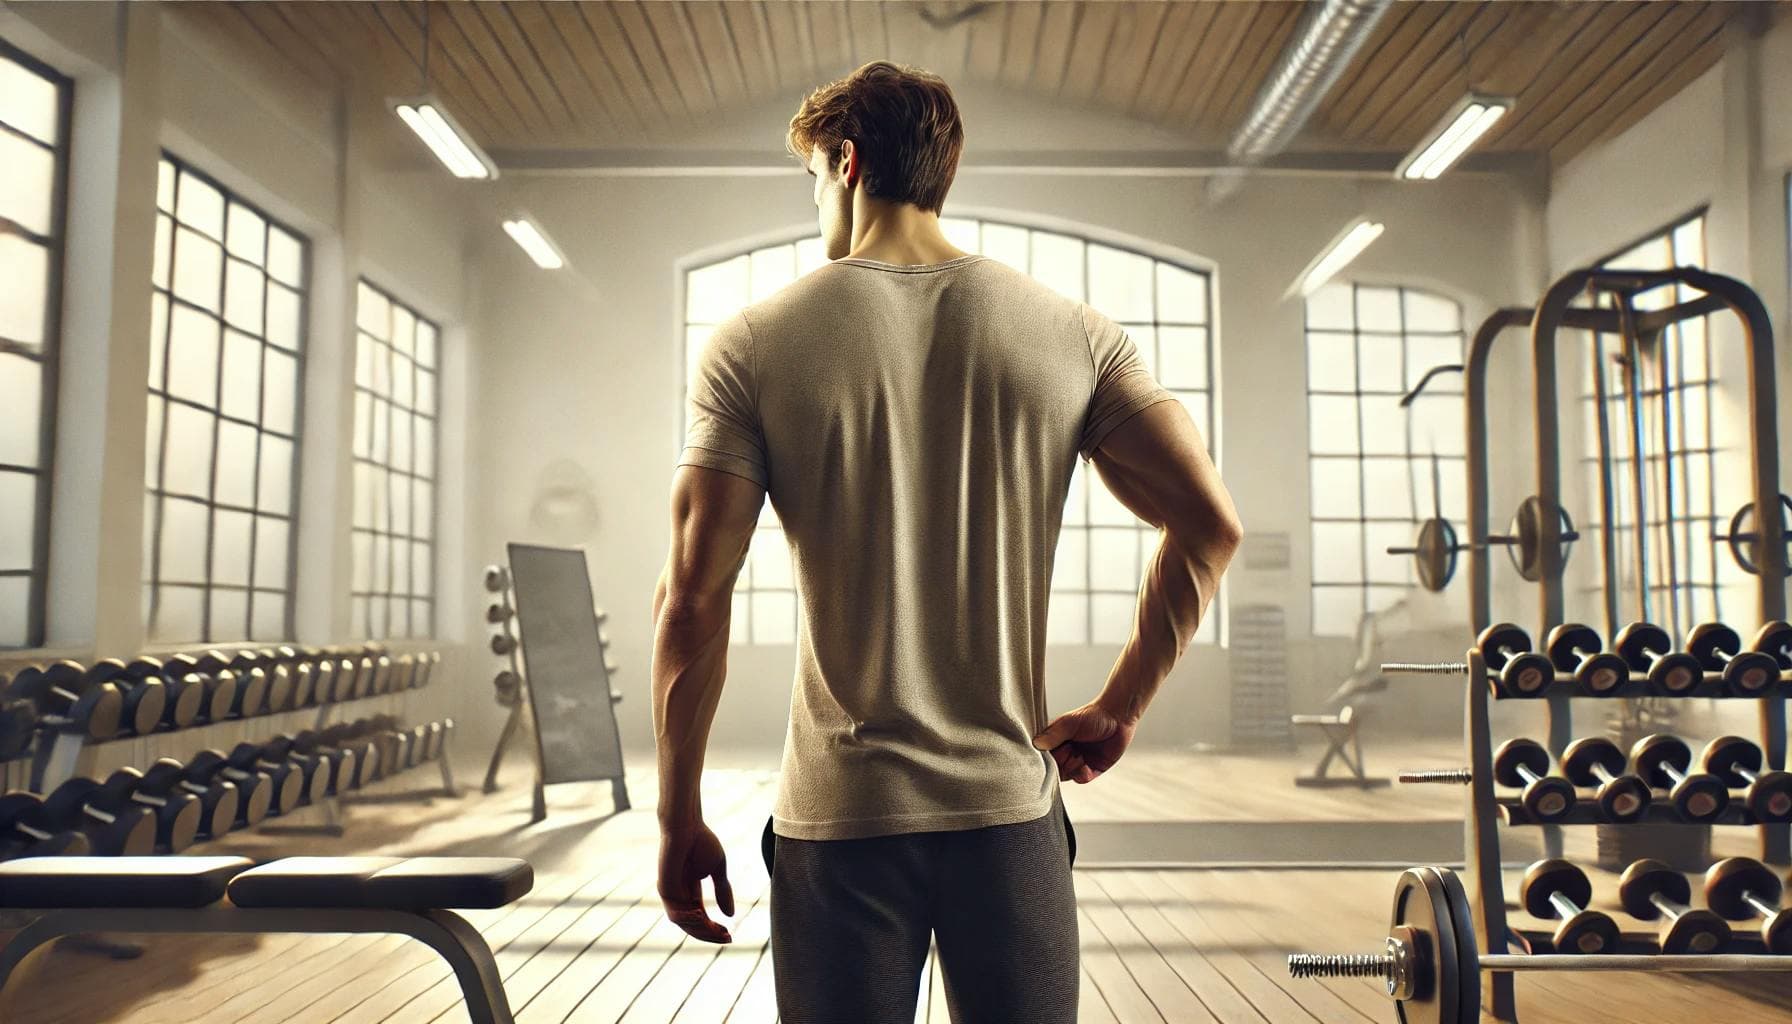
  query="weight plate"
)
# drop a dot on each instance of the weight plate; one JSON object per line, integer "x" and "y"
{"x": 1468, "y": 956}
{"x": 1420, "y": 904}
{"x": 1435, "y": 554}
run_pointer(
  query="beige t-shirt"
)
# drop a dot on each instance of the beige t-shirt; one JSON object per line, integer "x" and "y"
{"x": 915, "y": 428}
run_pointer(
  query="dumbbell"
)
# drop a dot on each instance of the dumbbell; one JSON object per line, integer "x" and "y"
{"x": 1597, "y": 761}
{"x": 497, "y": 612}
{"x": 1718, "y": 648}
{"x": 280, "y": 682}
{"x": 286, "y": 782}
{"x": 66, "y": 703}
{"x": 502, "y": 644}
{"x": 251, "y": 685}
{"x": 304, "y": 683}
{"x": 1768, "y": 795}
{"x": 186, "y": 694}
{"x": 508, "y": 687}
{"x": 365, "y": 764}
{"x": 217, "y": 684}
{"x": 1741, "y": 889}
{"x": 18, "y": 724}
{"x": 1650, "y": 889}
{"x": 1575, "y": 649}
{"x": 27, "y": 831}
{"x": 1507, "y": 649}
{"x": 1775, "y": 640}
{"x": 176, "y": 812}
{"x": 1558, "y": 889}
{"x": 219, "y": 798}
{"x": 1664, "y": 761}
{"x": 496, "y": 578}
{"x": 1524, "y": 765}
{"x": 310, "y": 783}
{"x": 382, "y": 674}
{"x": 1647, "y": 648}
{"x": 333, "y": 767}
{"x": 255, "y": 790}
{"x": 115, "y": 827}
{"x": 145, "y": 695}
{"x": 429, "y": 664}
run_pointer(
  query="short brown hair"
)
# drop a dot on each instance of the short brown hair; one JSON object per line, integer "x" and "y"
{"x": 902, "y": 120}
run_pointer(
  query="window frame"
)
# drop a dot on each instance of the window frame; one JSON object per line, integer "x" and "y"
{"x": 301, "y": 359}
{"x": 49, "y": 356}
{"x": 1449, "y": 466}
{"x": 1685, "y": 591}
{"x": 433, "y": 543}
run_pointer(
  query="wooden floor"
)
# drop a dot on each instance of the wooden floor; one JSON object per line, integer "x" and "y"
{"x": 590, "y": 943}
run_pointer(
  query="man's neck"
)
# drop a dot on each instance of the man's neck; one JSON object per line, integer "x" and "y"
{"x": 905, "y": 236}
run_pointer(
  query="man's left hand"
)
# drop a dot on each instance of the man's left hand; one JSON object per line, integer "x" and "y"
{"x": 688, "y": 855}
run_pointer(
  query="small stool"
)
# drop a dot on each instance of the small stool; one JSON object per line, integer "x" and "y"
{"x": 1340, "y": 731}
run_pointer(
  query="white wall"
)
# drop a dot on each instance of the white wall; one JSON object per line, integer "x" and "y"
{"x": 584, "y": 366}
{"x": 343, "y": 172}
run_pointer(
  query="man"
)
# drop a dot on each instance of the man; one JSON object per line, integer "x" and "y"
{"x": 914, "y": 413}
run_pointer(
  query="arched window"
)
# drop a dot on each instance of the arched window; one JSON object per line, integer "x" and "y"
{"x": 1167, "y": 310}
{"x": 1372, "y": 462}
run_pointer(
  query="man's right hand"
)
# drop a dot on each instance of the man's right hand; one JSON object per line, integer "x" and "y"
{"x": 1086, "y": 741}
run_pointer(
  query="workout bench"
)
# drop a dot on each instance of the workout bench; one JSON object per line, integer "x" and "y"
{"x": 1340, "y": 733}
{"x": 330, "y": 895}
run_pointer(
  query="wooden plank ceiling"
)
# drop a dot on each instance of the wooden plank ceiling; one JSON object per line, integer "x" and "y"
{"x": 525, "y": 74}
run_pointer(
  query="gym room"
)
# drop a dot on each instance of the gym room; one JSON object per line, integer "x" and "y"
{"x": 462, "y": 558}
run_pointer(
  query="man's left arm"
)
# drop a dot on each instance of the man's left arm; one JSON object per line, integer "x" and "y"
{"x": 714, "y": 513}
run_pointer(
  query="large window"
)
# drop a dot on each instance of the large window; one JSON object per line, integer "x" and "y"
{"x": 34, "y": 117}
{"x": 393, "y": 593}
{"x": 226, "y": 355}
{"x": 1679, "y": 470}
{"x": 1165, "y": 308}
{"x": 1378, "y": 469}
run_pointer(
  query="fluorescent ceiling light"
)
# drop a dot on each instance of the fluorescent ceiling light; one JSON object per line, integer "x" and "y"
{"x": 1346, "y": 247}
{"x": 445, "y": 138}
{"x": 524, "y": 232}
{"x": 1461, "y": 128}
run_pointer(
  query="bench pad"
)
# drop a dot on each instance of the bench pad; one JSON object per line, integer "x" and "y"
{"x": 67, "y": 883}
{"x": 416, "y": 883}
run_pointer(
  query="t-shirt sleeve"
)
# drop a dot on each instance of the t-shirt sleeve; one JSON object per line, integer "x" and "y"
{"x": 1123, "y": 384}
{"x": 725, "y": 431}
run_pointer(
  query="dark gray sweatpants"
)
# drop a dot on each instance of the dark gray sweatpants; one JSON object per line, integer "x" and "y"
{"x": 851, "y": 920}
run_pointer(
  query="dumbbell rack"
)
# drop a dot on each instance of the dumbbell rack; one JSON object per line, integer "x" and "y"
{"x": 1487, "y": 810}
{"x": 497, "y": 581}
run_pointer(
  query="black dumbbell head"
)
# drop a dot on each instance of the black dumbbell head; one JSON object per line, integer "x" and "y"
{"x": 1637, "y": 640}
{"x": 280, "y": 688}
{"x": 131, "y": 833}
{"x": 27, "y": 809}
{"x": 105, "y": 670}
{"x": 1651, "y": 753}
{"x": 1727, "y": 880}
{"x": 496, "y": 578}
{"x": 221, "y": 688}
{"x": 1516, "y": 752}
{"x": 1724, "y": 755}
{"x": 186, "y": 699}
{"x": 1598, "y": 671}
{"x": 145, "y": 704}
{"x": 1643, "y": 879}
{"x": 1548, "y": 877}
{"x": 1775, "y": 639}
{"x": 1580, "y": 757}
{"x": 18, "y": 724}
{"x": 1707, "y": 639}
{"x": 1745, "y": 672}
{"x": 251, "y": 692}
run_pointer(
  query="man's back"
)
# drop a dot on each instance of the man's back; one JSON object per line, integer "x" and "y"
{"x": 915, "y": 429}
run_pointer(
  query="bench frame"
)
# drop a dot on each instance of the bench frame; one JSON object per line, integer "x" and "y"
{"x": 444, "y": 931}
{"x": 1340, "y": 732}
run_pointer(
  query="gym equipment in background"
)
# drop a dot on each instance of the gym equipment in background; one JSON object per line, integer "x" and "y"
{"x": 563, "y": 678}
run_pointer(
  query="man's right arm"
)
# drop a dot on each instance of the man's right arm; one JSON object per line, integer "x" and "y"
{"x": 1156, "y": 464}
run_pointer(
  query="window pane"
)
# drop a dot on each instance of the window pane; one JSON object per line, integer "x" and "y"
{"x": 1070, "y": 568}
{"x": 21, "y": 391}
{"x": 283, "y": 317}
{"x": 426, "y": 344}
{"x": 178, "y": 614}
{"x": 243, "y": 285}
{"x": 29, "y": 102}
{"x": 1114, "y": 559}
{"x": 1067, "y": 619}
{"x": 373, "y": 314}
{"x": 248, "y": 234}
{"x": 184, "y": 533}
{"x": 270, "y": 616}
{"x": 1058, "y": 263}
{"x": 230, "y": 547}
{"x": 1182, "y": 357}
{"x": 187, "y": 460}
{"x": 199, "y": 205}
{"x": 27, "y": 182}
{"x": 271, "y": 539}
{"x": 285, "y": 258}
{"x": 276, "y": 475}
{"x": 1112, "y": 618}
{"x": 198, "y": 268}
{"x": 193, "y": 356}
{"x": 1181, "y": 295}
{"x": 18, "y": 505}
{"x": 1332, "y": 425}
{"x": 1336, "y": 490}
{"x": 23, "y": 288}
{"x": 1378, "y": 363}
{"x": 236, "y": 464}
{"x": 242, "y": 376}
{"x": 1337, "y": 552}
{"x": 230, "y": 615}
{"x": 15, "y": 611}
{"x": 1120, "y": 283}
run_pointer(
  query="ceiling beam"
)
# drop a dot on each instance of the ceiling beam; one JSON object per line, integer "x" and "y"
{"x": 668, "y": 163}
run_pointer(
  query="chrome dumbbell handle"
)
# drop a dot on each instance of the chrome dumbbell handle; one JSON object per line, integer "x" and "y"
{"x": 1439, "y": 776}
{"x": 1424, "y": 668}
